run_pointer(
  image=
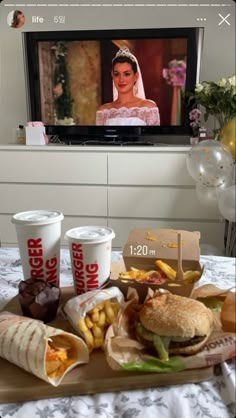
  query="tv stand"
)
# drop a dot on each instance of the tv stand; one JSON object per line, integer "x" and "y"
{"x": 120, "y": 140}
{"x": 117, "y": 143}
{"x": 104, "y": 141}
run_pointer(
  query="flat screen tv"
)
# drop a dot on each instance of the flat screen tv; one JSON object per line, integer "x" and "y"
{"x": 69, "y": 77}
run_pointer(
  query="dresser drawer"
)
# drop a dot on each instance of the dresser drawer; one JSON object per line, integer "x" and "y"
{"x": 164, "y": 169}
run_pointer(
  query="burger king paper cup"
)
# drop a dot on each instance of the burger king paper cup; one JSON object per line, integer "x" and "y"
{"x": 90, "y": 253}
{"x": 38, "y": 234}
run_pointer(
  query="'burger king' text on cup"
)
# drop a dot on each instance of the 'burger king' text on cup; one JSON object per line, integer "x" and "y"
{"x": 90, "y": 253}
{"x": 39, "y": 234}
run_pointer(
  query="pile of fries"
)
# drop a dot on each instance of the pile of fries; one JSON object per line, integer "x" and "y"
{"x": 163, "y": 272}
{"x": 96, "y": 321}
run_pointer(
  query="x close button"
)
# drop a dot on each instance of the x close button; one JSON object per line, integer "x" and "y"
{"x": 224, "y": 19}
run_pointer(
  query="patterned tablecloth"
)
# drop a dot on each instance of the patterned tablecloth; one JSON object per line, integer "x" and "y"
{"x": 213, "y": 399}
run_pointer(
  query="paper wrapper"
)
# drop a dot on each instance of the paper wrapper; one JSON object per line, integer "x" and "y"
{"x": 227, "y": 315}
{"x": 123, "y": 351}
{"x": 23, "y": 341}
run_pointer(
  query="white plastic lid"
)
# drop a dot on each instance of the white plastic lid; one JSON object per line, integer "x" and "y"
{"x": 37, "y": 217}
{"x": 90, "y": 234}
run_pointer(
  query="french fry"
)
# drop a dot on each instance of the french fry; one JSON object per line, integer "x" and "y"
{"x": 93, "y": 327}
{"x": 100, "y": 306}
{"x": 95, "y": 315}
{"x": 139, "y": 275}
{"x": 102, "y": 319}
{"x": 133, "y": 273}
{"x": 109, "y": 312}
{"x": 125, "y": 275}
{"x": 88, "y": 336}
{"x": 88, "y": 321}
{"x": 97, "y": 331}
{"x": 192, "y": 276}
{"x": 170, "y": 273}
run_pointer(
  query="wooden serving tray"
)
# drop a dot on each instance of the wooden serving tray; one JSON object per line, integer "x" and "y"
{"x": 95, "y": 377}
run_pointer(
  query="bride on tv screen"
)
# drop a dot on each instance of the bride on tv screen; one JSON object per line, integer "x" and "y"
{"x": 129, "y": 105}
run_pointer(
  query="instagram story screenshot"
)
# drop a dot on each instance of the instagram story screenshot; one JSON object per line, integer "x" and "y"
{"x": 117, "y": 208}
{"x": 57, "y": 67}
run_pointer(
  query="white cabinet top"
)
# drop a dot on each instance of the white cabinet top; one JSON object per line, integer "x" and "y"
{"x": 99, "y": 149}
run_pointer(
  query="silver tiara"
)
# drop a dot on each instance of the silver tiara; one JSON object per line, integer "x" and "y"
{"x": 125, "y": 52}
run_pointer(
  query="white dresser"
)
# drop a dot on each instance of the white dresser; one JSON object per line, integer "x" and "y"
{"x": 122, "y": 187}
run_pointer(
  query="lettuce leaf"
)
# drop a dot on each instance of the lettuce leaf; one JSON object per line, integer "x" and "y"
{"x": 153, "y": 364}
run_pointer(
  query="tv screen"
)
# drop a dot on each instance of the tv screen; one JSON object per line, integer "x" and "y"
{"x": 69, "y": 78}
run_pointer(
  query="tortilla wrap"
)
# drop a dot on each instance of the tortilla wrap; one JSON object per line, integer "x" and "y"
{"x": 31, "y": 345}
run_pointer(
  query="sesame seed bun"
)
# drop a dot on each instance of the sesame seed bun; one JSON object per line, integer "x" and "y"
{"x": 177, "y": 316}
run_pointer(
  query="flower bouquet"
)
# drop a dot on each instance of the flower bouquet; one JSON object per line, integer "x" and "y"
{"x": 218, "y": 99}
{"x": 175, "y": 74}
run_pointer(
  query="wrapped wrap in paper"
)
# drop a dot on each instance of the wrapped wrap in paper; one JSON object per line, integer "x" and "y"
{"x": 123, "y": 351}
{"x": 44, "y": 351}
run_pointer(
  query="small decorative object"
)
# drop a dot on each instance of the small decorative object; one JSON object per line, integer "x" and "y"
{"x": 175, "y": 76}
{"x": 20, "y": 132}
{"x": 202, "y": 133}
{"x": 218, "y": 99}
{"x": 195, "y": 118}
{"x": 36, "y": 134}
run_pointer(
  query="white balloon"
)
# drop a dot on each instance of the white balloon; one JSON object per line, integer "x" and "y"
{"x": 207, "y": 195}
{"x": 210, "y": 163}
{"x": 227, "y": 203}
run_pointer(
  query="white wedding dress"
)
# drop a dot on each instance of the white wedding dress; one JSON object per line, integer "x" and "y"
{"x": 132, "y": 116}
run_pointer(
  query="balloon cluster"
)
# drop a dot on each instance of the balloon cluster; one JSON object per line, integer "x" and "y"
{"x": 211, "y": 165}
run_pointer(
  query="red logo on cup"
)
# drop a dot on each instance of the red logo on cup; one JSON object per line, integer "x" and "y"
{"x": 36, "y": 262}
{"x": 86, "y": 275}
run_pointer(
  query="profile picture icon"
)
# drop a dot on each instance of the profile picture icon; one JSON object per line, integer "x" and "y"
{"x": 16, "y": 19}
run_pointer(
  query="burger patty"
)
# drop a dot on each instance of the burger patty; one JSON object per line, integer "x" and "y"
{"x": 192, "y": 341}
{"x": 173, "y": 344}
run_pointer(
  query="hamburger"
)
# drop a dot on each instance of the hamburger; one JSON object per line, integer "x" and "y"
{"x": 172, "y": 324}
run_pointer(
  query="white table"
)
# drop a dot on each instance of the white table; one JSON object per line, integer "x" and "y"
{"x": 212, "y": 399}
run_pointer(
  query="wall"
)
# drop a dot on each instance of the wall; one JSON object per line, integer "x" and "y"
{"x": 218, "y": 51}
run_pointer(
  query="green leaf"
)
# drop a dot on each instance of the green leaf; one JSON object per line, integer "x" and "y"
{"x": 153, "y": 364}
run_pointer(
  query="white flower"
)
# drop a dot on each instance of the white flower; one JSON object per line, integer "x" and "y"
{"x": 68, "y": 121}
{"x": 222, "y": 82}
{"x": 207, "y": 89}
{"x": 198, "y": 88}
{"x": 232, "y": 80}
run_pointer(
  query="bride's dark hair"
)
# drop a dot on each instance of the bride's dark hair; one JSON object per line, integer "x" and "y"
{"x": 121, "y": 59}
